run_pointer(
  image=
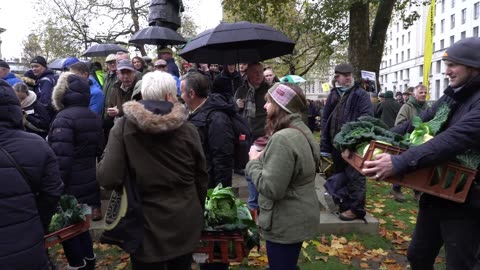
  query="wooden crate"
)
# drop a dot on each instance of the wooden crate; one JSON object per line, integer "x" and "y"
{"x": 66, "y": 233}
{"x": 215, "y": 247}
{"x": 449, "y": 180}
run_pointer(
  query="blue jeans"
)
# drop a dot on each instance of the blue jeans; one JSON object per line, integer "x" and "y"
{"x": 78, "y": 248}
{"x": 283, "y": 256}
{"x": 252, "y": 201}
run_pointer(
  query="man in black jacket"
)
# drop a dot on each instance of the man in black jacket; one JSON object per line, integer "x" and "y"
{"x": 211, "y": 115}
{"x": 441, "y": 222}
{"x": 387, "y": 110}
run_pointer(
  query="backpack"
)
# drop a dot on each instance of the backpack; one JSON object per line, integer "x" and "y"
{"x": 243, "y": 139}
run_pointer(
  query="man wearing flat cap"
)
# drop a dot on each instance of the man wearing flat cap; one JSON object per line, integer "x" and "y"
{"x": 441, "y": 222}
{"x": 167, "y": 55}
{"x": 346, "y": 102}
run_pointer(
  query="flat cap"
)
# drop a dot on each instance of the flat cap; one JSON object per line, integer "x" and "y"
{"x": 343, "y": 68}
{"x": 111, "y": 57}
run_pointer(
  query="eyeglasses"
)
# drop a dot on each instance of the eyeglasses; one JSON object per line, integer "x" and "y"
{"x": 160, "y": 66}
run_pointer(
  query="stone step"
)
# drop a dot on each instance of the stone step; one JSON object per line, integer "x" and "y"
{"x": 329, "y": 222}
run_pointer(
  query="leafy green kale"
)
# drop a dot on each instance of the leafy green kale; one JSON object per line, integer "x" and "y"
{"x": 366, "y": 129}
{"x": 69, "y": 212}
{"x": 225, "y": 212}
{"x": 470, "y": 159}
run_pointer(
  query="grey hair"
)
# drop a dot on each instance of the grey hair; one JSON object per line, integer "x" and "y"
{"x": 157, "y": 84}
{"x": 21, "y": 88}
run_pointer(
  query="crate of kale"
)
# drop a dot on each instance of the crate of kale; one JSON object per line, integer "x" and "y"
{"x": 368, "y": 137}
{"x": 71, "y": 219}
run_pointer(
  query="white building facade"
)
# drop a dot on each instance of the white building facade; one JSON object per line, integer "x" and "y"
{"x": 402, "y": 63}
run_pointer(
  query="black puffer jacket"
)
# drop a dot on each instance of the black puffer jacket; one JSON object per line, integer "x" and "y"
{"x": 217, "y": 135}
{"x": 21, "y": 232}
{"x": 76, "y": 137}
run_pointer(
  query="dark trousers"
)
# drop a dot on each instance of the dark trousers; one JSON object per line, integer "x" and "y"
{"x": 183, "y": 262}
{"x": 78, "y": 248}
{"x": 438, "y": 223}
{"x": 356, "y": 186}
{"x": 214, "y": 266}
{"x": 283, "y": 256}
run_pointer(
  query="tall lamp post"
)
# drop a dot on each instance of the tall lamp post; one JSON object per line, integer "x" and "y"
{"x": 85, "y": 29}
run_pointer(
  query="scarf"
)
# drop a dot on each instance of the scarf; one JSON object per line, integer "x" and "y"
{"x": 419, "y": 107}
{"x": 29, "y": 100}
{"x": 250, "y": 107}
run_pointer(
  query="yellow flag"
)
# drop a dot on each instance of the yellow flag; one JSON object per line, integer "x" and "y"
{"x": 325, "y": 87}
{"x": 428, "y": 51}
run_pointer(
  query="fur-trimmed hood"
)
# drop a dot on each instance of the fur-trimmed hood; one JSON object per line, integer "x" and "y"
{"x": 155, "y": 116}
{"x": 70, "y": 90}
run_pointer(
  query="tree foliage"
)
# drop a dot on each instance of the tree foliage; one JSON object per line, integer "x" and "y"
{"x": 320, "y": 27}
{"x": 68, "y": 23}
{"x": 31, "y": 47}
{"x": 310, "y": 24}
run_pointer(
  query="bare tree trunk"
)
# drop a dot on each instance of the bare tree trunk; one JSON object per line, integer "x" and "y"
{"x": 358, "y": 36}
{"x": 136, "y": 24}
{"x": 365, "y": 48}
{"x": 378, "y": 36}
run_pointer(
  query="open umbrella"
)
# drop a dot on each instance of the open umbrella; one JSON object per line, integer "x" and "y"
{"x": 103, "y": 50}
{"x": 230, "y": 43}
{"x": 157, "y": 35}
{"x": 62, "y": 63}
{"x": 292, "y": 79}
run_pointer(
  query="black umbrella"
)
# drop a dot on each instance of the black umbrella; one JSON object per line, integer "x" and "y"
{"x": 238, "y": 42}
{"x": 103, "y": 50}
{"x": 157, "y": 35}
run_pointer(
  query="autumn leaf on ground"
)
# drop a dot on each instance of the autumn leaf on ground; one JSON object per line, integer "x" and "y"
{"x": 377, "y": 210}
{"x": 400, "y": 224}
{"x": 381, "y": 221}
{"x": 379, "y": 252}
{"x": 121, "y": 266}
{"x": 407, "y": 238}
{"x": 413, "y": 220}
{"x": 306, "y": 256}
{"x": 364, "y": 265}
{"x": 323, "y": 249}
{"x": 315, "y": 243}
{"x": 379, "y": 205}
{"x": 304, "y": 244}
{"x": 389, "y": 261}
{"x": 321, "y": 258}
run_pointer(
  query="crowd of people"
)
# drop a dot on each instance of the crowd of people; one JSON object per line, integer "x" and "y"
{"x": 172, "y": 132}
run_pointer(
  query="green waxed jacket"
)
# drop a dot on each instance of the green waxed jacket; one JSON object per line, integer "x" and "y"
{"x": 284, "y": 176}
{"x": 409, "y": 110}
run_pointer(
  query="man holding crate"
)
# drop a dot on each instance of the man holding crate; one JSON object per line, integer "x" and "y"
{"x": 440, "y": 221}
